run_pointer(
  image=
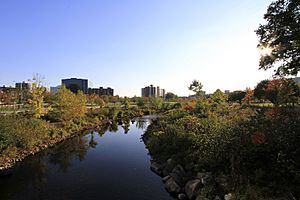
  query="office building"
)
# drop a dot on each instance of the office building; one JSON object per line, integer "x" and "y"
{"x": 101, "y": 91}
{"x": 75, "y": 84}
{"x": 23, "y": 86}
{"x": 152, "y": 91}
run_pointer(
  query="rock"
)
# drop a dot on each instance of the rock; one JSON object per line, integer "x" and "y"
{"x": 228, "y": 196}
{"x": 217, "y": 198}
{"x": 164, "y": 179}
{"x": 182, "y": 196}
{"x": 170, "y": 164}
{"x": 206, "y": 178}
{"x": 179, "y": 171}
{"x": 178, "y": 179}
{"x": 201, "y": 198}
{"x": 192, "y": 187}
{"x": 172, "y": 186}
{"x": 156, "y": 167}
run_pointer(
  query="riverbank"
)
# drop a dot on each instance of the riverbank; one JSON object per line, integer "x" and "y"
{"x": 23, "y": 136}
{"x": 227, "y": 152}
{"x": 8, "y": 162}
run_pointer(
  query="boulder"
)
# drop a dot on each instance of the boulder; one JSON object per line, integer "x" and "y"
{"x": 179, "y": 171}
{"x": 228, "y": 196}
{"x": 192, "y": 187}
{"x": 182, "y": 196}
{"x": 170, "y": 164}
{"x": 172, "y": 186}
{"x": 164, "y": 179}
{"x": 156, "y": 167}
{"x": 206, "y": 178}
{"x": 217, "y": 198}
{"x": 177, "y": 178}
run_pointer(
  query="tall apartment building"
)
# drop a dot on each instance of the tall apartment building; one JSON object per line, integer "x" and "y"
{"x": 152, "y": 91}
{"x": 75, "y": 84}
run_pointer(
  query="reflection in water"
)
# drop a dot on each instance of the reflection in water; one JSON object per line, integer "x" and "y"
{"x": 92, "y": 142}
{"x": 126, "y": 125}
{"x": 141, "y": 123}
{"x": 76, "y": 148}
{"x": 40, "y": 175}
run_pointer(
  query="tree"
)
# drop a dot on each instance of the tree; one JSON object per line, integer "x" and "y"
{"x": 126, "y": 103}
{"x": 219, "y": 97}
{"x": 69, "y": 105}
{"x": 236, "y": 96}
{"x": 282, "y": 91}
{"x": 272, "y": 91}
{"x": 196, "y": 87}
{"x": 156, "y": 102}
{"x": 280, "y": 37}
{"x": 37, "y": 97}
{"x": 248, "y": 97}
{"x": 260, "y": 90}
{"x": 289, "y": 92}
{"x": 170, "y": 96}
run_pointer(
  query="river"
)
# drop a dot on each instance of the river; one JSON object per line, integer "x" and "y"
{"x": 111, "y": 163}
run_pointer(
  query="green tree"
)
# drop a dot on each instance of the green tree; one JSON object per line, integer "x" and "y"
{"x": 280, "y": 37}
{"x": 69, "y": 105}
{"x": 236, "y": 96}
{"x": 37, "y": 97}
{"x": 140, "y": 102}
{"x": 219, "y": 97}
{"x": 196, "y": 87}
{"x": 126, "y": 103}
{"x": 289, "y": 92}
{"x": 260, "y": 90}
{"x": 156, "y": 102}
{"x": 170, "y": 96}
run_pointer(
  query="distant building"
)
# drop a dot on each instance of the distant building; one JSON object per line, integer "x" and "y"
{"x": 227, "y": 91}
{"x": 152, "y": 91}
{"x": 75, "y": 84}
{"x": 23, "y": 86}
{"x": 55, "y": 89}
{"x": 101, "y": 91}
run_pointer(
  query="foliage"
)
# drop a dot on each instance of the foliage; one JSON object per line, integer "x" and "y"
{"x": 155, "y": 102}
{"x": 37, "y": 97}
{"x": 236, "y": 96}
{"x": 219, "y": 97}
{"x": 21, "y": 132}
{"x": 260, "y": 89}
{"x": 170, "y": 96}
{"x": 281, "y": 34}
{"x": 68, "y": 106}
{"x": 256, "y": 148}
{"x": 196, "y": 87}
{"x": 126, "y": 103}
{"x": 248, "y": 97}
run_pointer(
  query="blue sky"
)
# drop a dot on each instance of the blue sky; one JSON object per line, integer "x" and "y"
{"x": 129, "y": 44}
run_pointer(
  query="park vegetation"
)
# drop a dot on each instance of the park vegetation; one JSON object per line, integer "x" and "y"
{"x": 251, "y": 151}
{"x": 44, "y": 119}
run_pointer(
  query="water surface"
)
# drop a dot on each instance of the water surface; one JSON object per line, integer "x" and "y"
{"x": 103, "y": 164}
